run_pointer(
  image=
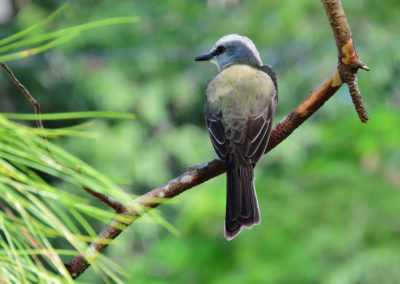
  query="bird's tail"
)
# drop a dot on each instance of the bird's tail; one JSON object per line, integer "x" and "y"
{"x": 241, "y": 203}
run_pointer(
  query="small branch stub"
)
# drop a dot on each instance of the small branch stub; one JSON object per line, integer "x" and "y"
{"x": 348, "y": 61}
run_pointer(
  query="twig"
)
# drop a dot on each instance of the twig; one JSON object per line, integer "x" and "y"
{"x": 116, "y": 205}
{"x": 28, "y": 95}
{"x": 348, "y": 61}
{"x": 201, "y": 173}
{"x": 111, "y": 202}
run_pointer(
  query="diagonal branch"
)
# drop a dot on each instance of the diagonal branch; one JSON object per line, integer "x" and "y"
{"x": 348, "y": 65}
{"x": 201, "y": 173}
{"x": 346, "y": 72}
{"x": 348, "y": 61}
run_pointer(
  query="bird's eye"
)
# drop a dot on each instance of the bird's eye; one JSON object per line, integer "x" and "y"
{"x": 220, "y": 49}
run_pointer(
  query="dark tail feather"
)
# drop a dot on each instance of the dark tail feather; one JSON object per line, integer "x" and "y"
{"x": 241, "y": 203}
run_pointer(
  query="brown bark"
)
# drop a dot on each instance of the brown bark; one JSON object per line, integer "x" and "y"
{"x": 201, "y": 173}
{"x": 348, "y": 61}
{"x": 346, "y": 72}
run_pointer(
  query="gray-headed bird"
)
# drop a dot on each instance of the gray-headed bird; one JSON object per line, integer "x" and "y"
{"x": 239, "y": 110}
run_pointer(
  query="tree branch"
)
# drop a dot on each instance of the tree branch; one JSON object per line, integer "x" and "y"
{"x": 348, "y": 61}
{"x": 201, "y": 173}
{"x": 346, "y": 72}
{"x": 348, "y": 64}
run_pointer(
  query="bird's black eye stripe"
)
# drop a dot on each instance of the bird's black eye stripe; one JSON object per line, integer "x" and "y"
{"x": 220, "y": 49}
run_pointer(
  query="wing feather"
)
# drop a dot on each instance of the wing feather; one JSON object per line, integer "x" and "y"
{"x": 255, "y": 146}
{"x": 257, "y": 130}
{"x": 217, "y": 133}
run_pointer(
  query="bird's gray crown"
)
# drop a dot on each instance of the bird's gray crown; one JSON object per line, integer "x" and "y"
{"x": 234, "y": 48}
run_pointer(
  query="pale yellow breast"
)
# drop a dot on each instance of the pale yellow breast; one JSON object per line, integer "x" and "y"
{"x": 239, "y": 91}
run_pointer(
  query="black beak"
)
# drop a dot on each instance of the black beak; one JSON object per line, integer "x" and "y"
{"x": 204, "y": 57}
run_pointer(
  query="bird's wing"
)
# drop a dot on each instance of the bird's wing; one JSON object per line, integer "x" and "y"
{"x": 256, "y": 135}
{"x": 258, "y": 132}
{"x": 217, "y": 133}
{"x": 259, "y": 126}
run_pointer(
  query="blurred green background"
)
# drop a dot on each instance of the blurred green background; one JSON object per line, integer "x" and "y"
{"x": 329, "y": 195}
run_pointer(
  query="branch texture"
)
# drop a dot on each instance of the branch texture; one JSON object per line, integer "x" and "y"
{"x": 346, "y": 72}
{"x": 348, "y": 61}
{"x": 201, "y": 173}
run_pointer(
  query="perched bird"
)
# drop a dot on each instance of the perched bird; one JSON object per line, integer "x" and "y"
{"x": 239, "y": 110}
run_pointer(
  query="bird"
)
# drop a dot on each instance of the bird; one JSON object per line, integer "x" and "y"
{"x": 240, "y": 105}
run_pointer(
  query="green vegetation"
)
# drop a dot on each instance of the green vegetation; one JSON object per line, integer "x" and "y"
{"x": 329, "y": 195}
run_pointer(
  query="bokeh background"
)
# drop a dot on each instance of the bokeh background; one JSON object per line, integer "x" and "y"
{"x": 329, "y": 195}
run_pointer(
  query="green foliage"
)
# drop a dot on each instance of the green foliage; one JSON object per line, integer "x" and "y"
{"x": 35, "y": 213}
{"x": 51, "y": 39}
{"x": 329, "y": 195}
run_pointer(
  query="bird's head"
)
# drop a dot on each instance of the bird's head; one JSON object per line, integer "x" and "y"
{"x": 231, "y": 49}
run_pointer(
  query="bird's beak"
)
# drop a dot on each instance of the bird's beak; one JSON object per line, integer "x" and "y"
{"x": 204, "y": 57}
